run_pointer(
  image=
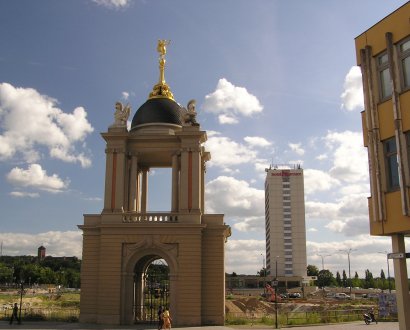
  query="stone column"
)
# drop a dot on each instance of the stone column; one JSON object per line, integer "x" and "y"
{"x": 133, "y": 184}
{"x": 175, "y": 182}
{"x": 108, "y": 180}
{"x": 115, "y": 173}
{"x": 196, "y": 179}
{"x": 144, "y": 192}
{"x": 401, "y": 281}
{"x": 119, "y": 171}
{"x": 184, "y": 182}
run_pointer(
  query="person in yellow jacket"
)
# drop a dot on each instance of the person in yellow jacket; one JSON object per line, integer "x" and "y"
{"x": 166, "y": 317}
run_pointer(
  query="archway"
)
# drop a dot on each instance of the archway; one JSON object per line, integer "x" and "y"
{"x": 151, "y": 288}
{"x": 139, "y": 286}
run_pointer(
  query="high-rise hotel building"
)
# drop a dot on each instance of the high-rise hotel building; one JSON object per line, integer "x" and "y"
{"x": 285, "y": 223}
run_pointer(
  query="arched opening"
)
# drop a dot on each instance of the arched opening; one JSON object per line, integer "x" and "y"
{"x": 151, "y": 288}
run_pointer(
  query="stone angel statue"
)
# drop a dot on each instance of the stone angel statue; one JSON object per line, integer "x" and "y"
{"x": 121, "y": 114}
{"x": 189, "y": 114}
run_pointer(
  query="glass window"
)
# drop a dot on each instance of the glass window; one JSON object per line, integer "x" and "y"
{"x": 391, "y": 163}
{"x": 384, "y": 77}
{"x": 404, "y": 55}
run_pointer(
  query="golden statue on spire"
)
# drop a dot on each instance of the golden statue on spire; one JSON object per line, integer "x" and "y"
{"x": 162, "y": 90}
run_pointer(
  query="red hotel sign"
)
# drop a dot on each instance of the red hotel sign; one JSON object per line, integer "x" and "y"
{"x": 286, "y": 173}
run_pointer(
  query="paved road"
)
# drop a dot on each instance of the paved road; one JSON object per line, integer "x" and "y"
{"x": 82, "y": 326}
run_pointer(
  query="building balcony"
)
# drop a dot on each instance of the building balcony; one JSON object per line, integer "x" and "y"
{"x": 131, "y": 217}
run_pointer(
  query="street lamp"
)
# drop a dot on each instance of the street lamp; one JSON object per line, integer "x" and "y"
{"x": 348, "y": 260}
{"x": 388, "y": 268}
{"x": 21, "y": 297}
{"x": 276, "y": 293}
{"x": 323, "y": 257}
{"x": 264, "y": 273}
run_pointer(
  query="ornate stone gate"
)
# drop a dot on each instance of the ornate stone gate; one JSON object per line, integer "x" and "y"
{"x": 120, "y": 243}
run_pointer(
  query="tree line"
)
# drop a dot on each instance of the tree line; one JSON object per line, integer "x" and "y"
{"x": 326, "y": 278}
{"x": 31, "y": 271}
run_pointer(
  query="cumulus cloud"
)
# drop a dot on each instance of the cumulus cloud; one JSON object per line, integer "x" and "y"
{"x": 113, "y": 4}
{"x": 36, "y": 177}
{"x": 57, "y": 243}
{"x": 226, "y": 152}
{"x": 352, "y": 96}
{"x": 317, "y": 180}
{"x": 257, "y": 141}
{"x": 297, "y": 148}
{"x": 235, "y": 256}
{"x": 229, "y": 102}
{"x": 30, "y": 121}
{"x": 23, "y": 194}
{"x": 234, "y": 197}
{"x": 349, "y": 156}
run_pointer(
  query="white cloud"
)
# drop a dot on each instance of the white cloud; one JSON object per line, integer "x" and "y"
{"x": 239, "y": 202}
{"x": 24, "y": 194}
{"x": 30, "y": 121}
{"x": 235, "y": 256}
{"x": 226, "y": 152}
{"x": 296, "y": 147}
{"x": 227, "y": 119}
{"x": 57, "y": 243}
{"x": 36, "y": 177}
{"x": 365, "y": 254}
{"x": 125, "y": 95}
{"x": 257, "y": 141}
{"x": 113, "y": 4}
{"x": 350, "y": 162}
{"x": 229, "y": 102}
{"x": 352, "y": 96}
{"x": 316, "y": 180}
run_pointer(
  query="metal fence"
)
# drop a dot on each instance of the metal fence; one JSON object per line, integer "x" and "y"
{"x": 50, "y": 314}
{"x": 299, "y": 317}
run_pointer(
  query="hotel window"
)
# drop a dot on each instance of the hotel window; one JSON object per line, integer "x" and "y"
{"x": 392, "y": 169}
{"x": 384, "y": 76}
{"x": 404, "y": 54}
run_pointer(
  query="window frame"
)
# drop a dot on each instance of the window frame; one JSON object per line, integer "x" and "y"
{"x": 389, "y": 155}
{"x": 383, "y": 67}
{"x": 402, "y": 56}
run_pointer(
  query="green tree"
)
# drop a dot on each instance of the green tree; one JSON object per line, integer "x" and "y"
{"x": 338, "y": 279}
{"x": 345, "y": 282}
{"x": 382, "y": 276}
{"x": 262, "y": 272}
{"x": 356, "y": 281}
{"x": 325, "y": 278}
{"x": 6, "y": 273}
{"x": 312, "y": 270}
{"x": 368, "y": 279}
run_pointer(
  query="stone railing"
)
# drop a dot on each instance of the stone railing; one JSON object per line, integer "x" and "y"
{"x": 132, "y": 217}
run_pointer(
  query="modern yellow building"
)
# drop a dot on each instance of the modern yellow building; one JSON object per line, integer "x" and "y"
{"x": 383, "y": 53}
{"x": 122, "y": 244}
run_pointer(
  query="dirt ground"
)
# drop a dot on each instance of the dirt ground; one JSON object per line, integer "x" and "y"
{"x": 258, "y": 306}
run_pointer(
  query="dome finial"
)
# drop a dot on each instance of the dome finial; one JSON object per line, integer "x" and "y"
{"x": 162, "y": 89}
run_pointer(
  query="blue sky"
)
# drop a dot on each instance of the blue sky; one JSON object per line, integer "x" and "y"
{"x": 275, "y": 82}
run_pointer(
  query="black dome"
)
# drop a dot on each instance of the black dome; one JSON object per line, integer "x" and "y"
{"x": 157, "y": 110}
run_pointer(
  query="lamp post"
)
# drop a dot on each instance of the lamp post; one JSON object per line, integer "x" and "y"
{"x": 323, "y": 256}
{"x": 276, "y": 292}
{"x": 388, "y": 269}
{"x": 21, "y": 298}
{"x": 348, "y": 260}
{"x": 264, "y": 273}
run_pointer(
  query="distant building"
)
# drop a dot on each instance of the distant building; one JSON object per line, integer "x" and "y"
{"x": 41, "y": 253}
{"x": 285, "y": 223}
{"x": 383, "y": 53}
